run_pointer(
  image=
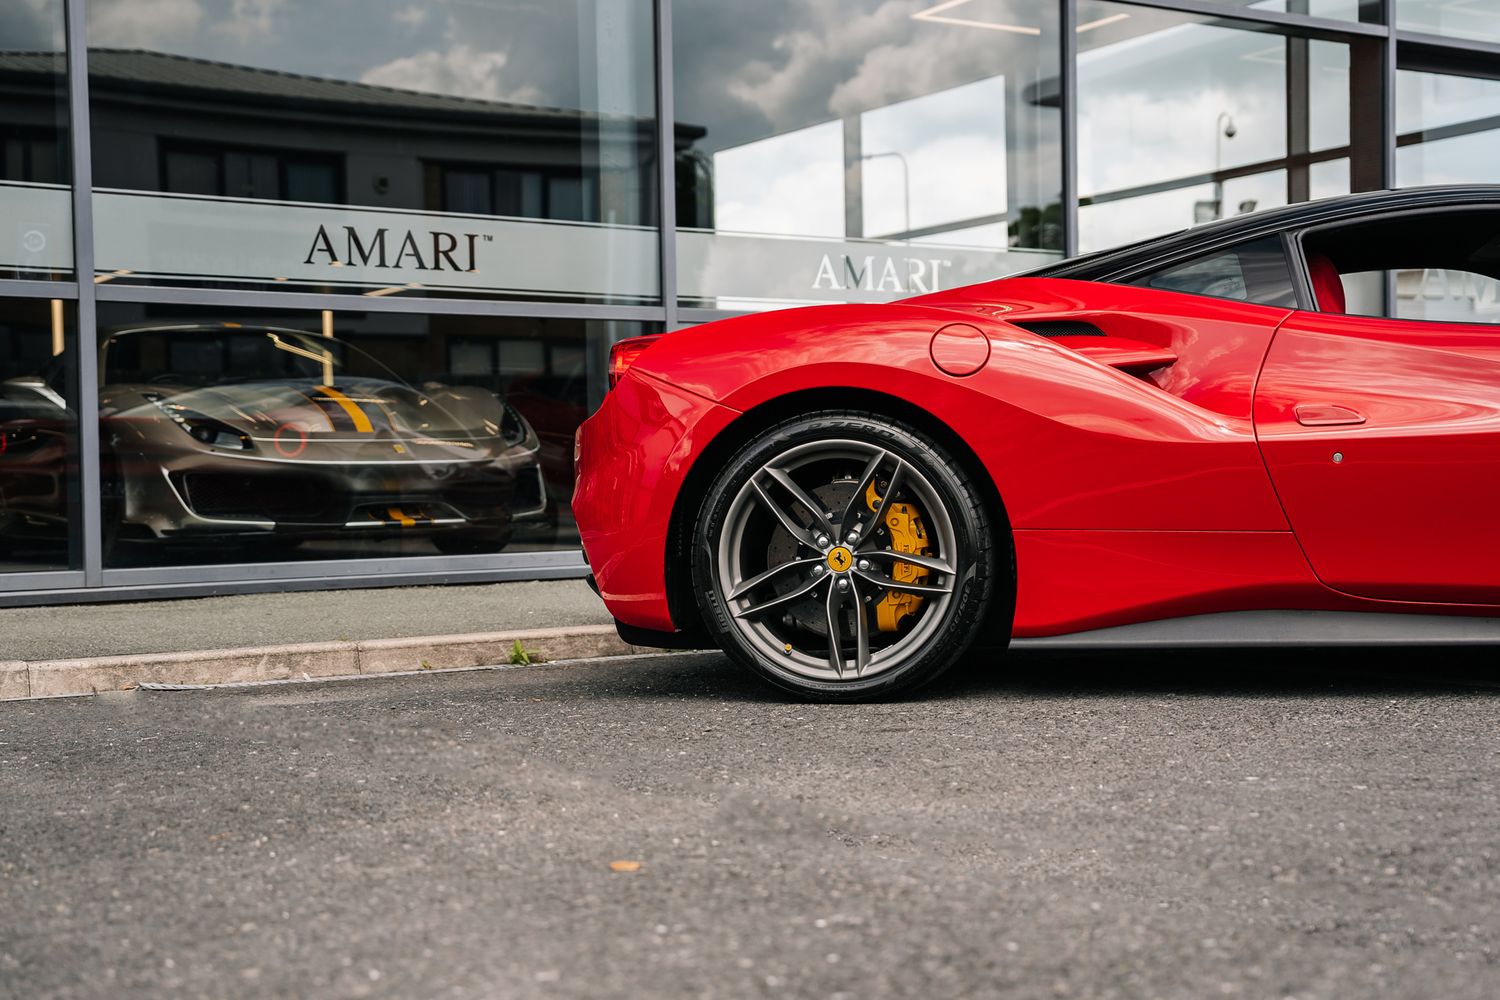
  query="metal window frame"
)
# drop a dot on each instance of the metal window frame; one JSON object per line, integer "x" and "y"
{"x": 93, "y": 582}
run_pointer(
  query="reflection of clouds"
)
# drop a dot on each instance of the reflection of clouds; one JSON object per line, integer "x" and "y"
{"x": 142, "y": 23}
{"x": 953, "y": 142}
{"x": 1115, "y": 222}
{"x": 593, "y": 56}
{"x": 749, "y": 70}
{"x": 1430, "y": 100}
{"x": 791, "y": 183}
{"x": 830, "y": 36}
{"x": 1464, "y": 159}
{"x": 412, "y": 17}
{"x": 250, "y": 19}
{"x": 32, "y": 26}
{"x": 458, "y": 70}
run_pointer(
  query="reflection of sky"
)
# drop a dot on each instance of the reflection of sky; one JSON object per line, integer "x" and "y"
{"x": 1328, "y": 178}
{"x": 952, "y": 142}
{"x": 1427, "y": 100}
{"x": 1148, "y": 106}
{"x": 31, "y": 25}
{"x": 954, "y": 145}
{"x": 792, "y": 183}
{"x": 749, "y": 70}
{"x": 1478, "y": 19}
{"x": 1149, "y": 110}
{"x": 499, "y": 50}
{"x": 1465, "y": 159}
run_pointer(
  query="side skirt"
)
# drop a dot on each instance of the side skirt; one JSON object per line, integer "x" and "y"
{"x": 1233, "y": 629}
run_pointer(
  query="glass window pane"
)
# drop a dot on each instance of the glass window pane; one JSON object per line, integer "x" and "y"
{"x": 250, "y": 436}
{"x": 39, "y": 512}
{"x": 1448, "y": 129}
{"x": 1474, "y": 19}
{"x": 1255, "y": 272}
{"x": 1328, "y": 178}
{"x": 856, "y": 150}
{"x": 1338, "y": 10}
{"x": 1442, "y": 264}
{"x": 455, "y": 147}
{"x": 36, "y": 239}
{"x": 1186, "y": 119}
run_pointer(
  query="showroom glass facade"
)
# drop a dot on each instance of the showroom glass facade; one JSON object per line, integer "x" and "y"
{"x": 299, "y": 294}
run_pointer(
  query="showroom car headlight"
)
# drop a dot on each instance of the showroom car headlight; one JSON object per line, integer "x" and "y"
{"x": 208, "y": 430}
{"x": 513, "y": 426}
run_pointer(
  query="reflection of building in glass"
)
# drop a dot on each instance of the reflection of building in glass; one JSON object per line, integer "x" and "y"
{"x": 189, "y": 126}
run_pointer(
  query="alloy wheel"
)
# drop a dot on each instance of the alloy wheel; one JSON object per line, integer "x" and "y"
{"x": 811, "y": 548}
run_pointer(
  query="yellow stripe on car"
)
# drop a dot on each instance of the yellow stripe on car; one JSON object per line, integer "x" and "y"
{"x": 361, "y": 420}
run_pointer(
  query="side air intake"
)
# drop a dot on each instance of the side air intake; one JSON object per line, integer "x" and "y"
{"x": 1060, "y": 328}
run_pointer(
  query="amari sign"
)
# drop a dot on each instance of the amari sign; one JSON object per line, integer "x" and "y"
{"x": 185, "y": 238}
{"x": 735, "y": 270}
{"x": 180, "y": 237}
{"x": 374, "y": 249}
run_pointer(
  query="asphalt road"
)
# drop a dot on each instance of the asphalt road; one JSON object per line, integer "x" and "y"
{"x": 1242, "y": 826}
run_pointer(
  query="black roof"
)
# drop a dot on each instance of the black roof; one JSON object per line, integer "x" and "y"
{"x": 1105, "y": 264}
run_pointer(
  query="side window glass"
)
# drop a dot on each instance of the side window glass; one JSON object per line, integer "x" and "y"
{"x": 1439, "y": 265}
{"x": 1436, "y": 294}
{"x": 1251, "y": 272}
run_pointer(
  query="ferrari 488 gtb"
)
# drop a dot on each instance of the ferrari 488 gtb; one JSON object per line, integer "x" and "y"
{"x": 1283, "y": 427}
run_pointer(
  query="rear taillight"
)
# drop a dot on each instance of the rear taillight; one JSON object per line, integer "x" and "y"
{"x": 624, "y": 353}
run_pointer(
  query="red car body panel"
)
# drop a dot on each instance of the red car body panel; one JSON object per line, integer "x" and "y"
{"x": 1407, "y": 512}
{"x": 1171, "y": 456}
{"x": 637, "y": 450}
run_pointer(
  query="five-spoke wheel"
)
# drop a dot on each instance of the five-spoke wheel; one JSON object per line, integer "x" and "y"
{"x": 844, "y": 556}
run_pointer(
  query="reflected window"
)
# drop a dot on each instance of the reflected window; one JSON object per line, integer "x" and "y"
{"x": 39, "y": 507}
{"x": 1252, "y": 272}
{"x": 259, "y": 173}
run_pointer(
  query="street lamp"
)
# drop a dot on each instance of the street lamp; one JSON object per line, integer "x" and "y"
{"x": 905, "y": 186}
{"x": 1223, "y": 129}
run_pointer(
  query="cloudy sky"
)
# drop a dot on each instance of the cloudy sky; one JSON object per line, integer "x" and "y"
{"x": 31, "y": 25}
{"x": 508, "y": 50}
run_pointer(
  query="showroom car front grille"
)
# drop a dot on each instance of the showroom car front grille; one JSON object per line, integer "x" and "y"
{"x": 484, "y": 498}
{"x": 242, "y": 497}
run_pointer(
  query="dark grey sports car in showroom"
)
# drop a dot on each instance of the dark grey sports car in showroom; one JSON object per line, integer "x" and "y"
{"x": 270, "y": 436}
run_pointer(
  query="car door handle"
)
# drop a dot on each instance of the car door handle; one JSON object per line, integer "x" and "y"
{"x": 1327, "y": 415}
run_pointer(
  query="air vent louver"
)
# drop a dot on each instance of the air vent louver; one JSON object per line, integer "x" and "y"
{"x": 1061, "y": 328}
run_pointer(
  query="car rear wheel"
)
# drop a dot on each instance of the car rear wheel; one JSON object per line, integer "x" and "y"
{"x": 844, "y": 556}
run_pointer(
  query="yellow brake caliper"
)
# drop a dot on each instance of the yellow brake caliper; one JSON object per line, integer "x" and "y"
{"x": 907, "y": 535}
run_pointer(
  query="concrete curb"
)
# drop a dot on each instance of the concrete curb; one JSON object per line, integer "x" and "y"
{"x": 91, "y": 675}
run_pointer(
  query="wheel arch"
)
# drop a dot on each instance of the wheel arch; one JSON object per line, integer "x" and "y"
{"x": 680, "y": 599}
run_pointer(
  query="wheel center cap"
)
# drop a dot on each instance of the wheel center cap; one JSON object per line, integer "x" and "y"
{"x": 840, "y": 559}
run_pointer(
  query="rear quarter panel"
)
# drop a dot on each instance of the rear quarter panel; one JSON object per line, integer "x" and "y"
{"x": 1070, "y": 443}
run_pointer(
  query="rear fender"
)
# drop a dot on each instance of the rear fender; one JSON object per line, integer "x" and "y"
{"x": 1069, "y": 442}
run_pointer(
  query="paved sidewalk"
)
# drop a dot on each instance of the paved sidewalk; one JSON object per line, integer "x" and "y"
{"x": 82, "y": 630}
{"x": 86, "y": 649}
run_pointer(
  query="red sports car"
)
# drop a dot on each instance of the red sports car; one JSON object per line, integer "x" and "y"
{"x": 1216, "y": 437}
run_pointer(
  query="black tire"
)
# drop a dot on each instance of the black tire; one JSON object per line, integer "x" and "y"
{"x": 980, "y": 549}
